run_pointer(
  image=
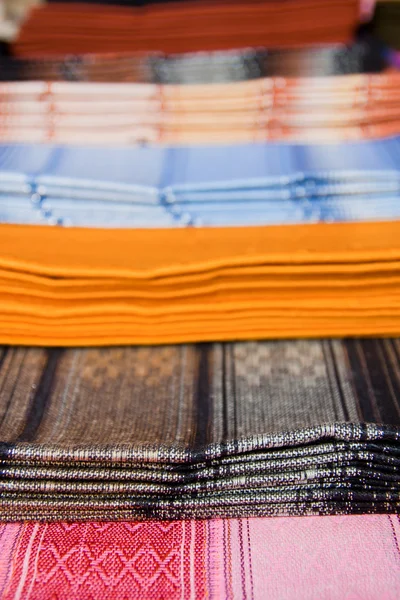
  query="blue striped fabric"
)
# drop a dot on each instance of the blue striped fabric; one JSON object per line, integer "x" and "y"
{"x": 271, "y": 183}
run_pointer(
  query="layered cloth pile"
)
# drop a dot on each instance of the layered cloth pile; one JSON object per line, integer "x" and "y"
{"x": 198, "y": 25}
{"x": 101, "y": 286}
{"x": 360, "y": 56}
{"x": 198, "y": 244}
{"x": 197, "y": 251}
{"x": 339, "y": 108}
{"x": 242, "y": 429}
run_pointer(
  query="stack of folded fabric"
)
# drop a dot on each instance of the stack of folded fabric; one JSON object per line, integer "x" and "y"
{"x": 197, "y": 25}
{"x": 189, "y": 269}
{"x": 98, "y": 287}
{"x": 159, "y": 186}
{"x": 347, "y": 107}
{"x": 166, "y": 429}
{"x": 208, "y": 430}
{"x": 361, "y": 56}
{"x": 294, "y": 557}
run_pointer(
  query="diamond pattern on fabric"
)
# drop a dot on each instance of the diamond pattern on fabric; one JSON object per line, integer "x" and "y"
{"x": 110, "y": 560}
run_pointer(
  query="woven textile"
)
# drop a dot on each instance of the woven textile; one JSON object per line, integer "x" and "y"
{"x": 57, "y": 29}
{"x": 154, "y": 286}
{"x": 201, "y": 67}
{"x": 340, "y": 108}
{"x": 308, "y": 559}
{"x": 158, "y": 186}
{"x": 244, "y": 429}
{"x": 333, "y": 271}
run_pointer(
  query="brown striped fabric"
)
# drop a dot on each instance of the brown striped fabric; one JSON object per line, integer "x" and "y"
{"x": 205, "y": 430}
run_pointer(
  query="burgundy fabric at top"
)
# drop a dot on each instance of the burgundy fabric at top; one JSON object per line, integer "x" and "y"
{"x": 68, "y": 28}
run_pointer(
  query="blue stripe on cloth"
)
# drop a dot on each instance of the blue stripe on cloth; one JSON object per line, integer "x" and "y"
{"x": 265, "y": 183}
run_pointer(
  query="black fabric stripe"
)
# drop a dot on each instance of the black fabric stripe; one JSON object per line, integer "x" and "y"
{"x": 6, "y": 368}
{"x": 338, "y": 383}
{"x": 11, "y": 395}
{"x": 377, "y": 369}
{"x": 41, "y": 398}
{"x": 4, "y": 351}
{"x": 394, "y": 344}
{"x": 395, "y": 368}
{"x": 224, "y": 395}
{"x": 359, "y": 381}
{"x": 202, "y": 399}
{"x": 328, "y": 358}
{"x": 233, "y": 383}
{"x": 390, "y": 408}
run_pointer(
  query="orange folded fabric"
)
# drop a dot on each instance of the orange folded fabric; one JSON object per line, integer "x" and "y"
{"x": 57, "y": 29}
{"x": 168, "y": 286}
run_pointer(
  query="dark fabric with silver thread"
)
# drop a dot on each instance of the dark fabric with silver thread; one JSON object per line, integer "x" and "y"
{"x": 200, "y": 67}
{"x": 236, "y": 429}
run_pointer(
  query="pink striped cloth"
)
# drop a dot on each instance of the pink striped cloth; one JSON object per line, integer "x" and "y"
{"x": 349, "y": 107}
{"x": 306, "y": 558}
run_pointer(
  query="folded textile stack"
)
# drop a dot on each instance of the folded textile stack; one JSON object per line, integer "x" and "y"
{"x": 185, "y": 240}
{"x": 361, "y": 56}
{"x": 316, "y": 272}
{"x": 178, "y": 286}
{"x": 198, "y": 25}
{"x": 304, "y": 558}
{"x": 245, "y": 429}
{"x": 348, "y": 107}
{"x": 158, "y": 186}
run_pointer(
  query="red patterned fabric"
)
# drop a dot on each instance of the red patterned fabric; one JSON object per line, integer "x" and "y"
{"x": 293, "y": 558}
{"x": 110, "y": 560}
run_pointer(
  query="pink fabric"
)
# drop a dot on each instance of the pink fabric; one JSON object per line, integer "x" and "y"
{"x": 8, "y": 538}
{"x": 306, "y": 558}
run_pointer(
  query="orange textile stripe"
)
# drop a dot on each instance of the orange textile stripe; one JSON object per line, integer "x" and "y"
{"x": 102, "y": 286}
